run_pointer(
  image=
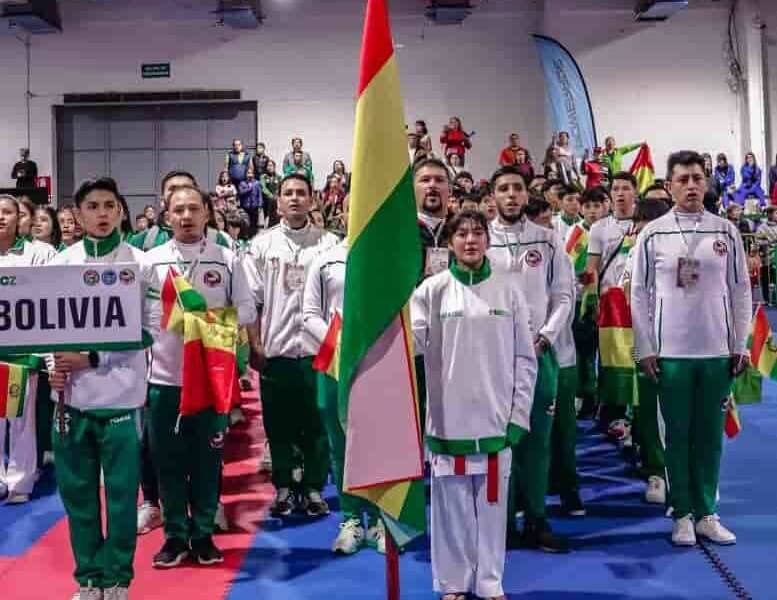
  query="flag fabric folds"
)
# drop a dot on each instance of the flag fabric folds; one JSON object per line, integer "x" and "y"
{"x": 577, "y": 248}
{"x": 732, "y": 425}
{"x": 328, "y": 358}
{"x": 642, "y": 168}
{"x": 763, "y": 351}
{"x": 13, "y": 389}
{"x": 377, "y": 387}
{"x": 616, "y": 347}
{"x": 210, "y": 337}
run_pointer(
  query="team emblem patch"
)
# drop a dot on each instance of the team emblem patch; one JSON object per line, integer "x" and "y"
{"x": 720, "y": 248}
{"x": 109, "y": 277}
{"x": 91, "y": 277}
{"x": 533, "y": 258}
{"x": 126, "y": 276}
{"x": 212, "y": 278}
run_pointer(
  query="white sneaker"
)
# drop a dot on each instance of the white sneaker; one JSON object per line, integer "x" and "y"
{"x": 350, "y": 538}
{"x": 220, "y": 520}
{"x": 682, "y": 532}
{"x": 265, "y": 466}
{"x": 656, "y": 490}
{"x": 116, "y": 593}
{"x": 17, "y": 498}
{"x": 149, "y": 518}
{"x": 709, "y": 527}
{"x": 88, "y": 593}
{"x": 376, "y": 537}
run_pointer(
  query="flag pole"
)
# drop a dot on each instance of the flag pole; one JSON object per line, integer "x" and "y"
{"x": 392, "y": 568}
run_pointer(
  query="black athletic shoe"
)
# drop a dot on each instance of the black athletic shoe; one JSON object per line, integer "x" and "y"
{"x": 538, "y": 536}
{"x": 315, "y": 505}
{"x": 172, "y": 554}
{"x": 205, "y": 552}
{"x": 284, "y": 504}
{"x": 572, "y": 506}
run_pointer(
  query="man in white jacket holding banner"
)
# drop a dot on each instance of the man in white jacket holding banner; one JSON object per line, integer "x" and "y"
{"x": 472, "y": 325}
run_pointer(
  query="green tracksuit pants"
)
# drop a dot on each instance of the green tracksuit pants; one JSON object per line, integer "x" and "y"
{"x": 186, "y": 452}
{"x": 352, "y": 507}
{"x": 564, "y": 436}
{"x": 292, "y": 419}
{"x": 645, "y": 428}
{"x": 531, "y": 458}
{"x": 107, "y": 439}
{"x": 692, "y": 392}
{"x": 586, "y": 337}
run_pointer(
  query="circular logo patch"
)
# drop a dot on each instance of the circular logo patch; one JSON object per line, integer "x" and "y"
{"x": 109, "y": 277}
{"x": 91, "y": 277}
{"x": 533, "y": 258}
{"x": 126, "y": 276}
{"x": 212, "y": 278}
{"x": 720, "y": 248}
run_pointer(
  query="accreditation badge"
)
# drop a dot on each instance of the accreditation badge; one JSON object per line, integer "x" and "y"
{"x": 688, "y": 272}
{"x": 436, "y": 261}
{"x": 294, "y": 277}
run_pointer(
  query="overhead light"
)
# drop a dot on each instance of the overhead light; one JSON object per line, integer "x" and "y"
{"x": 448, "y": 12}
{"x": 33, "y": 16}
{"x": 658, "y": 10}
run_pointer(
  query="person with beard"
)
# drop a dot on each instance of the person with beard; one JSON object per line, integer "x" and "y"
{"x": 609, "y": 243}
{"x": 432, "y": 191}
{"x": 536, "y": 256}
{"x": 691, "y": 305}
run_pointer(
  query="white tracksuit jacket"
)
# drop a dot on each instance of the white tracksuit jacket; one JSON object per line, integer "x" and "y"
{"x": 707, "y": 320}
{"x": 324, "y": 289}
{"x": 277, "y": 263}
{"x": 120, "y": 379}
{"x": 473, "y": 330}
{"x": 545, "y": 273}
{"x": 216, "y": 273}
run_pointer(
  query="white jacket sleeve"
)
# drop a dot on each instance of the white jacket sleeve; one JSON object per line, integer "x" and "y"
{"x": 253, "y": 262}
{"x": 313, "y": 317}
{"x": 420, "y": 317}
{"x": 525, "y": 363}
{"x": 739, "y": 292}
{"x": 242, "y": 296}
{"x": 561, "y": 294}
{"x": 643, "y": 305}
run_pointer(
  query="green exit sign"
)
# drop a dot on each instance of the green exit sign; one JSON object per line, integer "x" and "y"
{"x": 155, "y": 70}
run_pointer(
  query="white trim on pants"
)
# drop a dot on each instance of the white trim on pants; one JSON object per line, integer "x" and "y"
{"x": 22, "y": 468}
{"x": 468, "y": 533}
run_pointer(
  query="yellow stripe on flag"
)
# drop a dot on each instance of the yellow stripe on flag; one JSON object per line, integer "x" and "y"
{"x": 379, "y": 112}
{"x": 615, "y": 347}
{"x": 17, "y": 389}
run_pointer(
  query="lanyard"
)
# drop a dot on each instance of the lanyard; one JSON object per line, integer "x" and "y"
{"x": 691, "y": 246}
{"x": 188, "y": 273}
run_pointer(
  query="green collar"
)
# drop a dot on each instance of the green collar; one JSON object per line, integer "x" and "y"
{"x": 18, "y": 246}
{"x": 569, "y": 220}
{"x": 471, "y": 277}
{"x": 102, "y": 246}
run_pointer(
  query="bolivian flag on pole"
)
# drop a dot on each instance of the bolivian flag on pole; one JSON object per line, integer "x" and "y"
{"x": 763, "y": 351}
{"x": 616, "y": 347}
{"x": 377, "y": 387}
{"x": 13, "y": 390}
{"x": 643, "y": 169}
{"x": 577, "y": 248}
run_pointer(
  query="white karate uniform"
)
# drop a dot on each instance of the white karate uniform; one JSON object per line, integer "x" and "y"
{"x": 19, "y": 475}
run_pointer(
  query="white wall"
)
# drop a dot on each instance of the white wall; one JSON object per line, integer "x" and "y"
{"x": 666, "y": 85}
{"x": 304, "y": 80}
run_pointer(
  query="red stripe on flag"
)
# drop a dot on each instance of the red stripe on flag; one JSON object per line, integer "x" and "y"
{"x": 761, "y": 332}
{"x": 5, "y": 373}
{"x": 168, "y": 297}
{"x": 492, "y": 479}
{"x": 644, "y": 159}
{"x": 323, "y": 359}
{"x": 574, "y": 238}
{"x": 614, "y": 310}
{"x": 459, "y": 465}
{"x": 377, "y": 45}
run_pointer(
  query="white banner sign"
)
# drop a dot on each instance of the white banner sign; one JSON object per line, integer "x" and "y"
{"x": 70, "y": 307}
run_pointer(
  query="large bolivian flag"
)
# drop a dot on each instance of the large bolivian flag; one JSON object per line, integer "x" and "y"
{"x": 643, "y": 169}
{"x": 377, "y": 387}
{"x": 616, "y": 348}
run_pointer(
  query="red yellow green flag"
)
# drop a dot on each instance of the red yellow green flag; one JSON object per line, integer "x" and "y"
{"x": 209, "y": 377}
{"x": 642, "y": 168}
{"x": 377, "y": 386}
{"x": 13, "y": 390}
{"x": 328, "y": 358}
{"x": 577, "y": 247}
{"x": 732, "y": 425}
{"x": 763, "y": 351}
{"x": 616, "y": 347}
{"x": 178, "y": 296}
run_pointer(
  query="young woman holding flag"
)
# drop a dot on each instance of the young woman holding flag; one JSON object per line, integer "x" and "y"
{"x": 17, "y": 407}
